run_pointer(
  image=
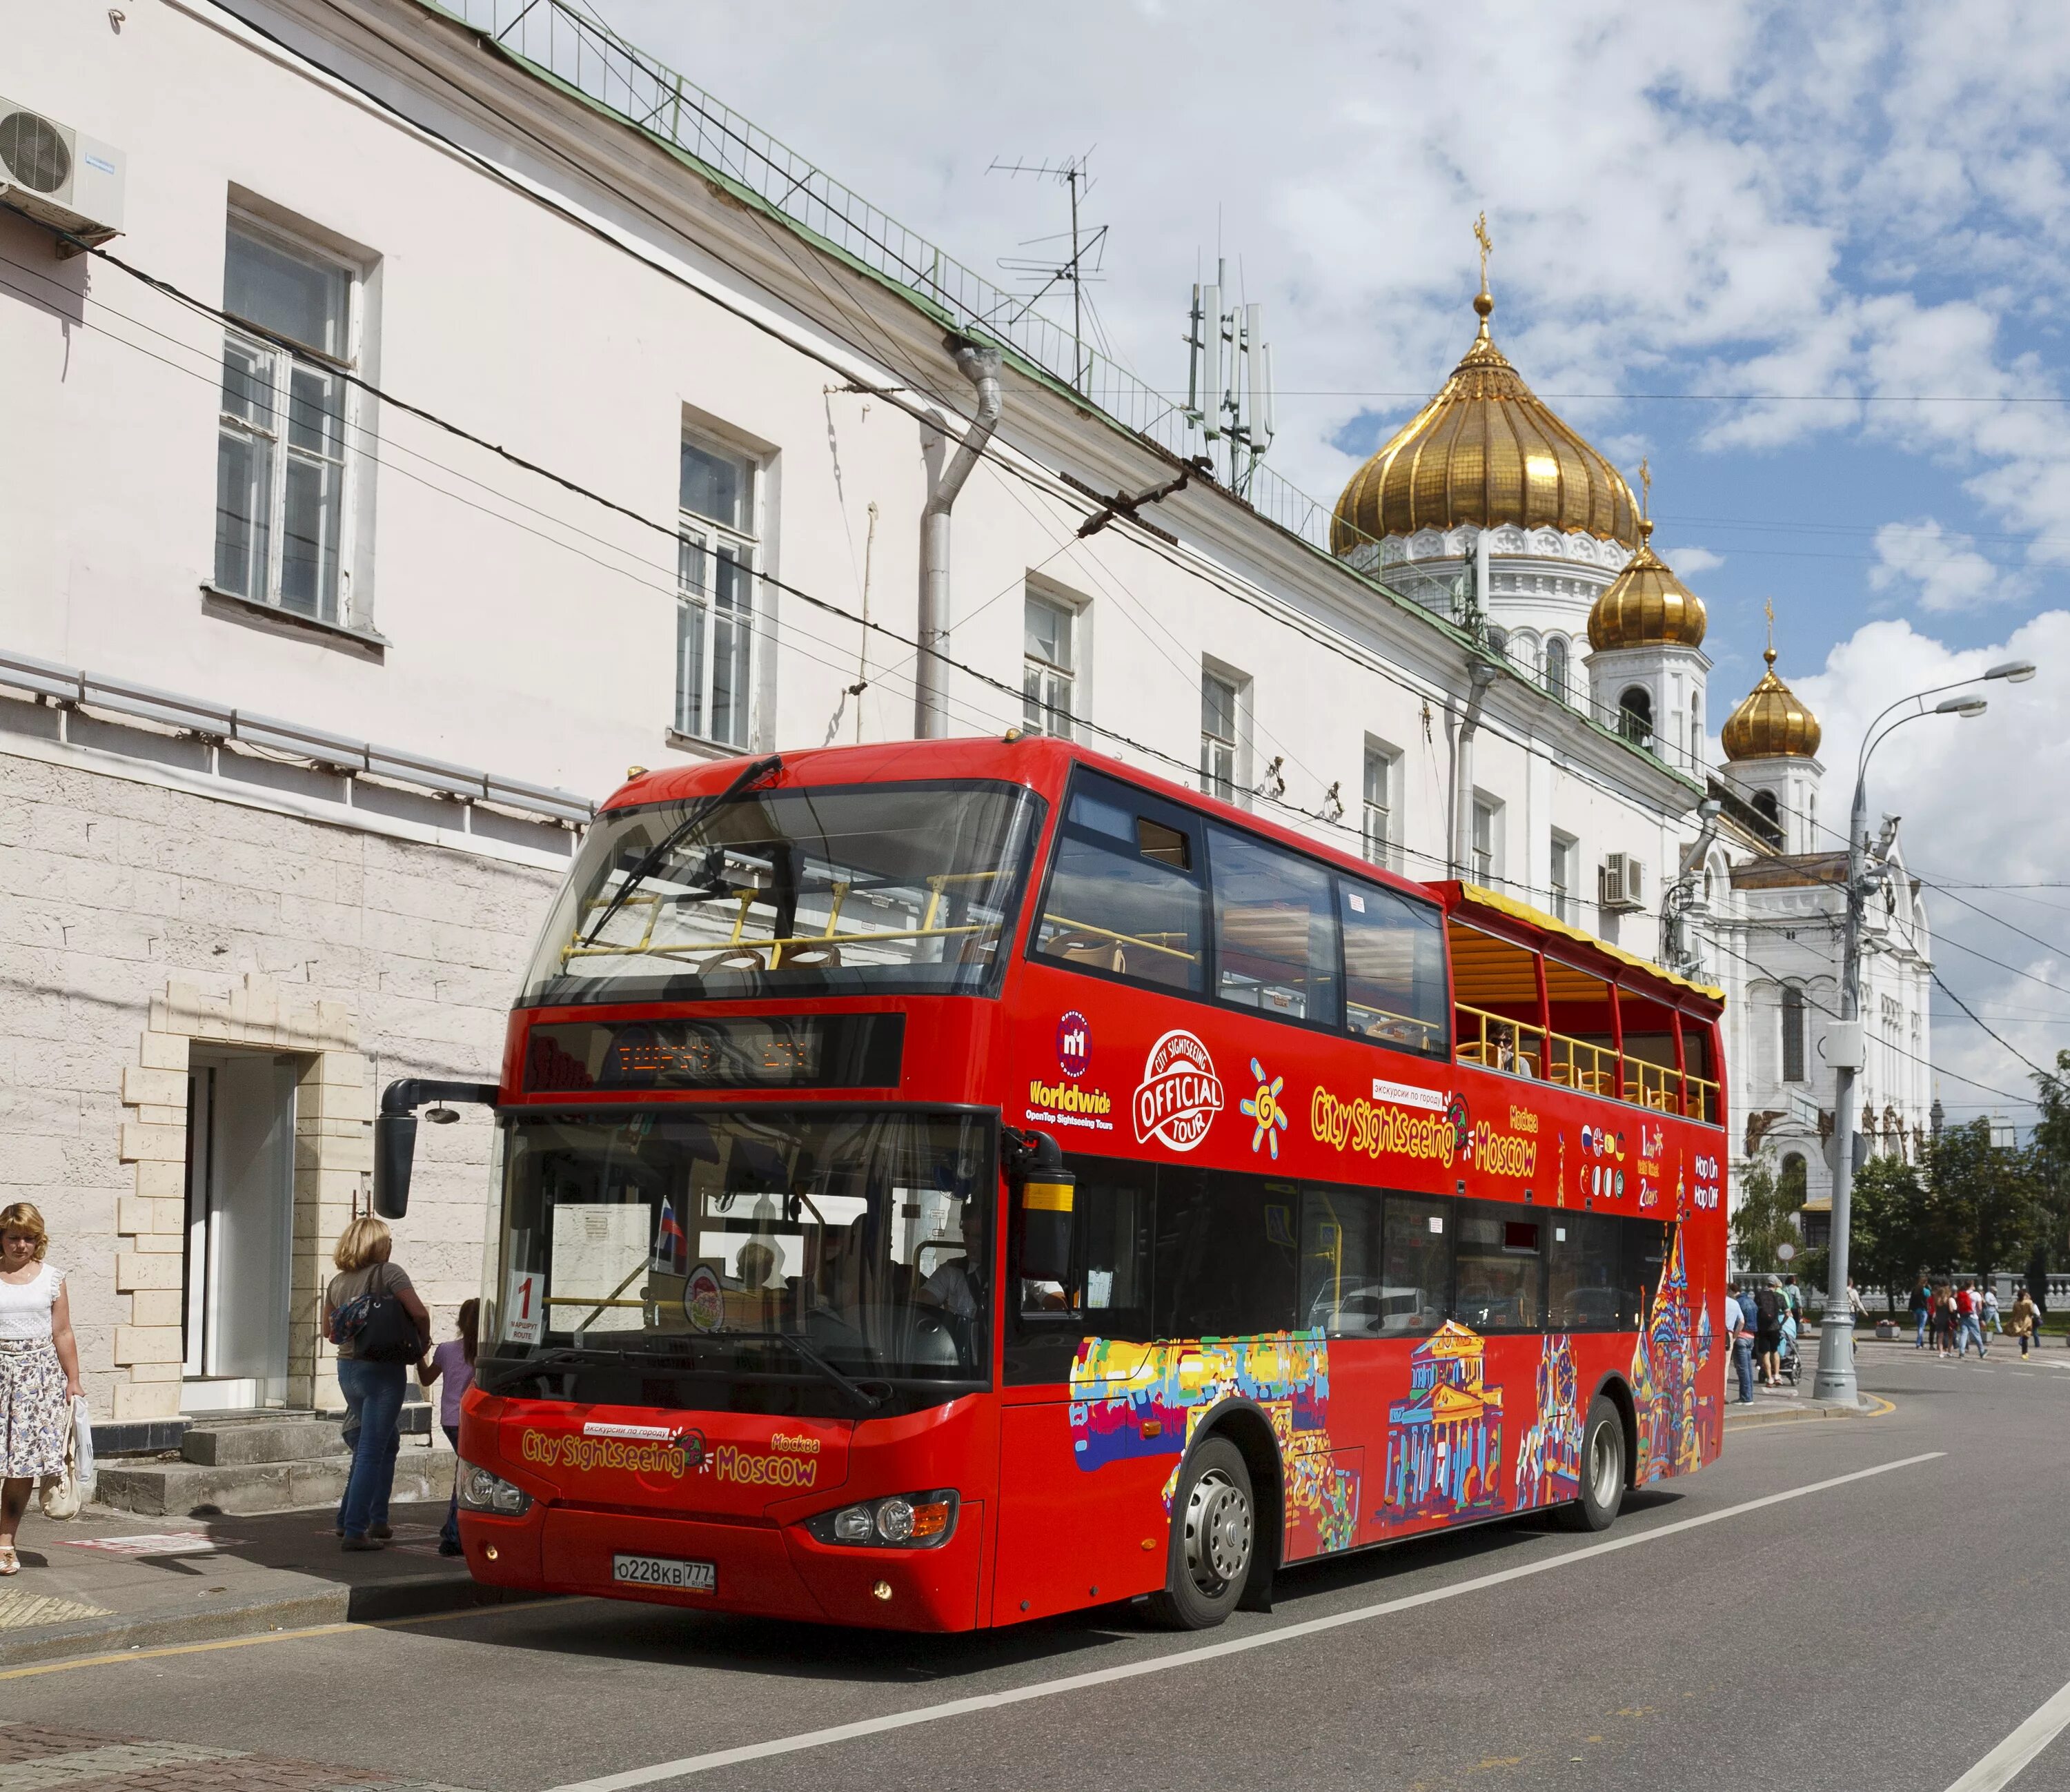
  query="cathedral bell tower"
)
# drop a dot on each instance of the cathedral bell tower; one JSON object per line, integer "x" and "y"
{"x": 1771, "y": 743}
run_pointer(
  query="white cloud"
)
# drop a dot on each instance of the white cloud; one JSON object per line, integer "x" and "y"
{"x": 1942, "y": 567}
{"x": 1688, "y": 562}
{"x": 1975, "y": 798}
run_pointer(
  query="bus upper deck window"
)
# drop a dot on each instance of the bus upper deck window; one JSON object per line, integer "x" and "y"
{"x": 1275, "y": 932}
{"x": 1394, "y": 969}
{"x": 1126, "y": 895}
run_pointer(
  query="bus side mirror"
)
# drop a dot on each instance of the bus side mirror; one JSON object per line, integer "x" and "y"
{"x": 1047, "y": 1197}
{"x": 394, "y": 1151}
{"x": 395, "y": 1134}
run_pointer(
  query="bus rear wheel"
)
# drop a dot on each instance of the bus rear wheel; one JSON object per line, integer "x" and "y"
{"x": 1214, "y": 1531}
{"x": 1602, "y": 1470}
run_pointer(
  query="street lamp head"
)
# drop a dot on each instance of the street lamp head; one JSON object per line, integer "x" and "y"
{"x": 1961, "y": 705}
{"x": 2014, "y": 672}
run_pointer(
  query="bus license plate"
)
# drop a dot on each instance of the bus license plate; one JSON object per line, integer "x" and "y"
{"x": 683, "y": 1577}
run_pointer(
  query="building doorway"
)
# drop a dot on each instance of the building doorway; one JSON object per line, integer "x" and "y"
{"x": 240, "y": 1213}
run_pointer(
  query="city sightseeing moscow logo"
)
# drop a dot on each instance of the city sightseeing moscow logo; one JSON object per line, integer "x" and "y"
{"x": 1179, "y": 1095}
{"x": 1264, "y": 1108}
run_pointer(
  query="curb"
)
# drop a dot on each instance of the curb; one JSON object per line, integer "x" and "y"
{"x": 310, "y": 1604}
{"x": 1873, "y": 1406}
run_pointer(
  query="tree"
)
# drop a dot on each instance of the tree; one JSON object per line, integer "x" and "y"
{"x": 1993, "y": 1192}
{"x": 1766, "y": 1216}
{"x": 1899, "y": 1228}
{"x": 2052, "y": 1162}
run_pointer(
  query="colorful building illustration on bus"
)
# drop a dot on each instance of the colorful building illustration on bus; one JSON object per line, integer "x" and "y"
{"x": 1130, "y": 1401}
{"x": 1675, "y": 1416}
{"x": 1444, "y": 1442}
{"x": 1548, "y": 1455}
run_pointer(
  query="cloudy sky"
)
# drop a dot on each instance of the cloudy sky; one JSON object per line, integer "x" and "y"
{"x": 1808, "y": 260}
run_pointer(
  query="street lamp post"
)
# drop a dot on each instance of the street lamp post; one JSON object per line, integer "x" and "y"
{"x": 1836, "y": 1379}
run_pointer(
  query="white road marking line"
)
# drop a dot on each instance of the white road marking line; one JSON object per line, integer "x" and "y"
{"x": 1212, "y": 1651}
{"x": 2002, "y": 1765}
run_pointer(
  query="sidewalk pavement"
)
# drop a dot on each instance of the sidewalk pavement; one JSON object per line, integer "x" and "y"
{"x": 109, "y": 1581}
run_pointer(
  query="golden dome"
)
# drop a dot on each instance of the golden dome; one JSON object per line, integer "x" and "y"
{"x": 1485, "y": 451}
{"x": 1771, "y": 722}
{"x": 1646, "y": 604}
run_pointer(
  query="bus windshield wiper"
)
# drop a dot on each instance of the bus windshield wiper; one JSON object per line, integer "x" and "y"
{"x": 854, "y": 1388}
{"x": 523, "y": 1368}
{"x": 693, "y": 817}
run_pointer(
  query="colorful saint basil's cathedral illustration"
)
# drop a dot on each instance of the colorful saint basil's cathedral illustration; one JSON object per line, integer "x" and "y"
{"x": 1444, "y": 1442}
{"x": 1119, "y": 1391}
{"x": 1675, "y": 1419}
{"x": 1548, "y": 1456}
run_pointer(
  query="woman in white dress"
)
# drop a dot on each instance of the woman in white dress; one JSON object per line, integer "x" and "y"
{"x": 38, "y": 1369}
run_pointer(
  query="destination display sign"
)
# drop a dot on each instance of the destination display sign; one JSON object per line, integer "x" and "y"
{"x": 781, "y": 1051}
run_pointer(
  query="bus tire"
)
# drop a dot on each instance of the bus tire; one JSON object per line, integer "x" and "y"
{"x": 1602, "y": 1470}
{"x": 1214, "y": 1532}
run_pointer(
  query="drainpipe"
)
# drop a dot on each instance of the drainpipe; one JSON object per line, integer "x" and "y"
{"x": 980, "y": 366}
{"x": 1479, "y": 675}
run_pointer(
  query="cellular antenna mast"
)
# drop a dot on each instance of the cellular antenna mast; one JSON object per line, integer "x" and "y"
{"x": 1088, "y": 252}
{"x": 1228, "y": 380}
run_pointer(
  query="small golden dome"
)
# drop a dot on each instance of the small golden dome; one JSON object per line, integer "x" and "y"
{"x": 1771, "y": 722}
{"x": 1485, "y": 451}
{"x": 1646, "y": 604}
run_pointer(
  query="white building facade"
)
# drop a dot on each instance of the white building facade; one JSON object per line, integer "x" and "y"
{"x": 446, "y": 441}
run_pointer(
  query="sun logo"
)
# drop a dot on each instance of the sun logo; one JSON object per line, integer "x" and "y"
{"x": 1265, "y": 1109}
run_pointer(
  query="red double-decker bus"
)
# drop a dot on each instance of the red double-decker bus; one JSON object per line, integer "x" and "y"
{"x": 949, "y": 1184}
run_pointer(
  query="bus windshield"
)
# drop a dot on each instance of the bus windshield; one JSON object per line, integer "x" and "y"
{"x": 870, "y": 889}
{"x": 712, "y": 1239}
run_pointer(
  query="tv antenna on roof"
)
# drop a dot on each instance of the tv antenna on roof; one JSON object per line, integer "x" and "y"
{"x": 1228, "y": 379}
{"x": 1088, "y": 252}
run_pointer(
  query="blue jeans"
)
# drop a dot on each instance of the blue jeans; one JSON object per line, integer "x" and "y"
{"x": 374, "y": 1409}
{"x": 1919, "y": 1337}
{"x": 1970, "y": 1329}
{"x": 449, "y": 1532}
{"x": 1743, "y": 1366}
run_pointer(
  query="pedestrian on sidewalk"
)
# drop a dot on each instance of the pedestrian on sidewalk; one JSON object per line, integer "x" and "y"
{"x": 1922, "y": 1314}
{"x": 2026, "y": 1317}
{"x": 1767, "y": 1310}
{"x": 1991, "y": 1312}
{"x": 38, "y": 1369}
{"x": 1944, "y": 1321}
{"x": 1967, "y": 1311}
{"x": 452, "y": 1364}
{"x": 372, "y": 1313}
{"x": 1739, "y": 1327}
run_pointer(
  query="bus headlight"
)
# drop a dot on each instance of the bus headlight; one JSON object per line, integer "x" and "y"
{"x": 904, "y": 1521}
{"x": 482, "y": 1492}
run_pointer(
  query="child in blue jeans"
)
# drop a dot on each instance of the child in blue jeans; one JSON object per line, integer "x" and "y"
{"x": 452, "y": 1363}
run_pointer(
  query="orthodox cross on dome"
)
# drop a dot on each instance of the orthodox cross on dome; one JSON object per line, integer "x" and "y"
{"x": 1483, "y": 299}
{"x": 1645, "y": 481}
{"x": 1769, "y": 607}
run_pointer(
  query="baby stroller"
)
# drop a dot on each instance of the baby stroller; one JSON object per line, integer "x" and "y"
{"x": 1788, "y": 1359}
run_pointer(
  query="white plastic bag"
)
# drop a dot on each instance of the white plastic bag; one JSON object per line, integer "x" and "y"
{"x": 65, "y": 1492}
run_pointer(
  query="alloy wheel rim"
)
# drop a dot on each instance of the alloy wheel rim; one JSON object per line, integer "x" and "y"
{"x": 1218, "y": 1532}
{"x": 1604, "y": 1468}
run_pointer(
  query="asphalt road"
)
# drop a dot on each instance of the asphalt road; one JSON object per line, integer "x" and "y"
{"x": 1871, "y": 1603}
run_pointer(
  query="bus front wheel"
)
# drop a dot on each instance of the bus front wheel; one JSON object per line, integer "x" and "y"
{"x": 1602, "y": 1469}
{"x": 1214, "y": 1529}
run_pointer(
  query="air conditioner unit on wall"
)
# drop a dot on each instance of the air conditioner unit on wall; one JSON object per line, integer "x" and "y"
{"x": 57, "y": 177}
{"x": 1621, "y": 882}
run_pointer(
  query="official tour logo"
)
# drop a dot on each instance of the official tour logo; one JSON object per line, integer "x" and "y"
{"x": 1264, "y": 1108}
{"x": 1180, "y": 1094}
{"x": 1074, "y": 1044}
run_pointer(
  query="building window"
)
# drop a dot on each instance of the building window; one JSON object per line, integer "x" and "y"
{"x": 1566, "y": 872}
{"x": 1793, "y": 1034}
{"x": 1488, "y": 840}
{"x": 282, "y": 459}
{"x": 1635, "y": 716}
{"x": 1379, "y": 824}
{"x": 1765, "y": 807}
{"x": 1218, "y": 735}
{"x": 715, "y": 595}
{"x": 1047, "y": 669}
{"x": 1555, "y": 665}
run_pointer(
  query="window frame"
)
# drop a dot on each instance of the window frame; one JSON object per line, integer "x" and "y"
{"x": 344, "y": 609}
{"x": 1563, "y": 867}
{"x": 707, "y": 542}
{"x": 1489, "y": 809}
{"x": 1211, "y": 780}
{"x": 1387, "y": 761}
{"x": 1041, "y": 715}
{"x": 1793, "y": 1042}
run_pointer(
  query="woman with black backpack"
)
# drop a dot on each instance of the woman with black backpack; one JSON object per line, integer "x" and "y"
{"x": 374, "y": 1316}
